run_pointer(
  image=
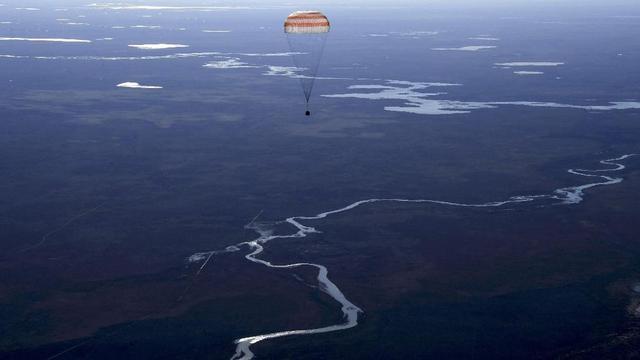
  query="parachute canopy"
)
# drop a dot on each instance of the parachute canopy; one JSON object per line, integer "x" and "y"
{"x": 306, "y": 33}
{"x": 306, "y": 22}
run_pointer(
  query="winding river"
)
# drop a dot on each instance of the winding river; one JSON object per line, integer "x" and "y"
{"x": 564, "y": 196}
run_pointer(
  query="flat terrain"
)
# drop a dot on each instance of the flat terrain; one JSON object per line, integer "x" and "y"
{"x": 106, "y": 192}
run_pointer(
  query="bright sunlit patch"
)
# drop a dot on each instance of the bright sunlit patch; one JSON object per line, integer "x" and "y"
{"x": 157, "y": 46}
{"x": 45, "y": 40}
{"x": 412, "y": 99}
{"x": 145, "y": 27}
{"x": 210, "y": 54}
{"x": 271, "y": 54}
{"x": 529, "y": 63}
{"x": 528, "y": 72}
{"x": 229, "y": 63}
{"x": 198, "y": 257}
{"x": 466, "y": 48}
{"x": 135, "y": 85}
{"x": 288, "y": 71}
{"x": 613, "y": 105}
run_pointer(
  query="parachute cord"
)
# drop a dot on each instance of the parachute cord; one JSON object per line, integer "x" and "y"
{"x": 317, "y": 64}
{"x": 313, "y": 71}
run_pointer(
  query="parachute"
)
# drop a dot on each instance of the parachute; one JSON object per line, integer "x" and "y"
{"x": 306, "y": 33}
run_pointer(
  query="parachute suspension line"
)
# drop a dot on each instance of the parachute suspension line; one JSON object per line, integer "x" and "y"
{"x": 306, "y": 33}
{"x": 307, "y": 57}
{"x": 297, "y": 63}
{"x": 317, "y": 65}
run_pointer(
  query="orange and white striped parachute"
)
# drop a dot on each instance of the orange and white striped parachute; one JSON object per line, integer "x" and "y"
{"x": 307, "y": 33}
{"x": 306, "y": 22}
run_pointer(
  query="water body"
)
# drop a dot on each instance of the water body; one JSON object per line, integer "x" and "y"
{"x": 120, "y": 162}
{"x": 572, "y": 195}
